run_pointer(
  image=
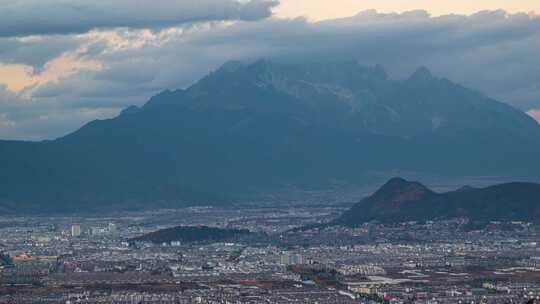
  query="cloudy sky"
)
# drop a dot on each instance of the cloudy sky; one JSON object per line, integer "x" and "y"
{"x": 66, "y": 62}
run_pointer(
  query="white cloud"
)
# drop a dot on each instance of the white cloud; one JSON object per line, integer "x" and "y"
{"x": 19, "y": 77}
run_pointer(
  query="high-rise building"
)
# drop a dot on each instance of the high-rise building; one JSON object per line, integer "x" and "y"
{"x": 75, "y": 230}
{"x": 297, "y": 259}
{"x": 291, "y": 259}
{"x": 112, "y": 227}
{"x": 285, "y": 259}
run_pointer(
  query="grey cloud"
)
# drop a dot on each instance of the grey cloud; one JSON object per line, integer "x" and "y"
{"x": 37, "y": 119}
{"x": 35, "y": 52}
{"x": 493, "y": 52}
{"x": 20, "y": 18}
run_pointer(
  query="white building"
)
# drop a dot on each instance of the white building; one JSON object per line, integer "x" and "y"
{"x": 291, "y": 259}
{"x": 75, "y": 230}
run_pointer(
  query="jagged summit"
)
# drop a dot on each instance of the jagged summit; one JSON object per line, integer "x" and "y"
{"x": 396, "y": 183}
{"x": 231, "y": 66}
{"x": 130, "y": 110}
{"x": 265, "y": 69}
{"x": 398, "y": 190}
{"x": 422, "y": 74}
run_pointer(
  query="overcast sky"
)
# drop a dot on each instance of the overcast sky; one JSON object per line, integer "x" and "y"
{"x": 66, "y": 62}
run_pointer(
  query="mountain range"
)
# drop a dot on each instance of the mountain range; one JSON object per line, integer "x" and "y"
{"x": 400, "y": 200}
{"x": 262, "y": 125}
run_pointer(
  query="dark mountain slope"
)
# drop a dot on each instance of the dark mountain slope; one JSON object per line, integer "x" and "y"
{"x": 190, "y": 234}
{"x": 262, "y": 125}
{"x": 400, "y": 200}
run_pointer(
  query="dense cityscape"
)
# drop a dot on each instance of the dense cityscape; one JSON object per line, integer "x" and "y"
{"x": 94, "y": 260}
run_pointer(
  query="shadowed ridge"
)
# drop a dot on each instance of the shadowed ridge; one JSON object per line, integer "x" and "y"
{"x": 399, "y": 200}
{"x": 398, "y": 190}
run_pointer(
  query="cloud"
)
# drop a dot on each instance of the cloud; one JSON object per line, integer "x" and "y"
{"x": 37, "y": 119}
{"x": 34, "y": 50}
{"x": 19, "y": 77}
{"x": 20, "y": 18}
{"x": 492, "y": 51}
